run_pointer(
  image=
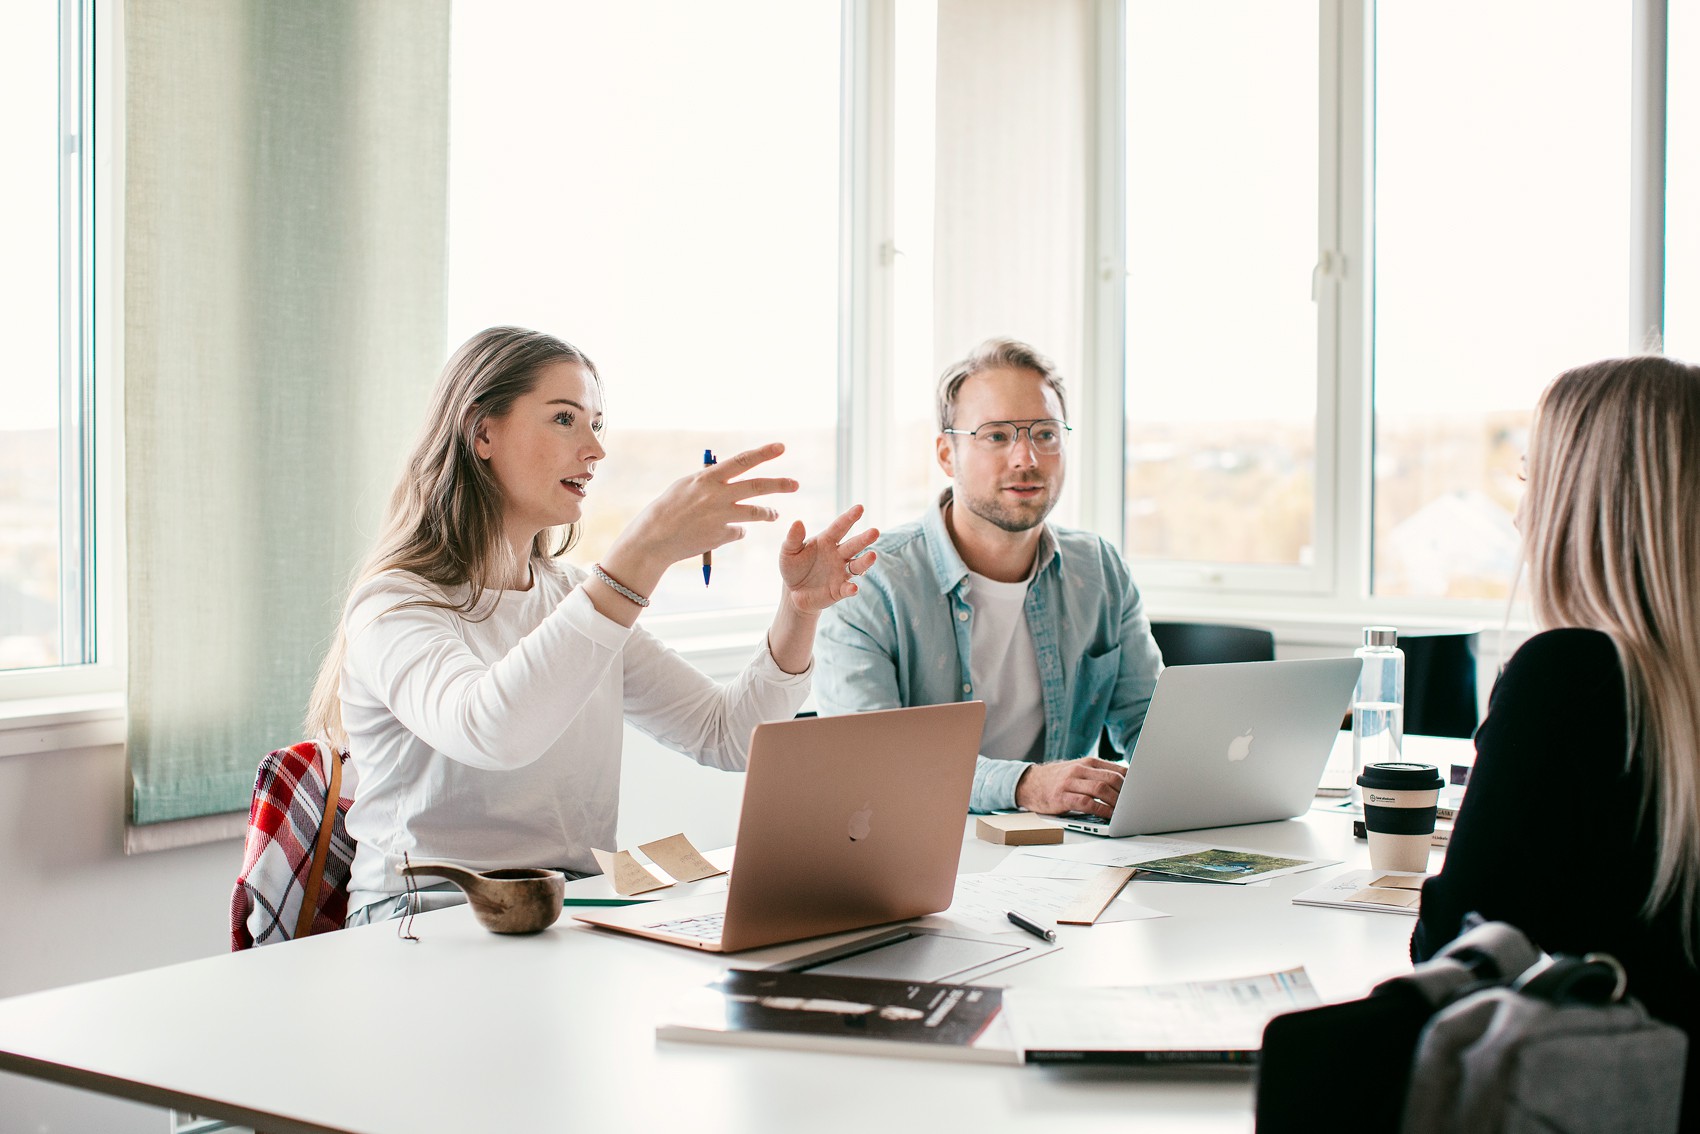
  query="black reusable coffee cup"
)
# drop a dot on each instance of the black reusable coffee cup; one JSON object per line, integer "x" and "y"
{"x": 1399, "y": 810}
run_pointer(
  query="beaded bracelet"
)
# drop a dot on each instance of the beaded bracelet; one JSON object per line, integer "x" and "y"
{"x": 617, "y": 587}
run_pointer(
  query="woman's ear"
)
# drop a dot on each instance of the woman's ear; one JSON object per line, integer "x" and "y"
{"x": 481, "y": 440}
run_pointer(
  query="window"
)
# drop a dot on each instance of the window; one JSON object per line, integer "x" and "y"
{"x": 1350, "y": 247}
{"x": 659, "y": 185}
{"x": 913, "y": 479}
{"x": 1221, "y": 327}
{"x": 47, "y": 616}
{"x": 978, "y": 180}
{"x": 1502, "y": 240}
{"x": 1357, "y": 245}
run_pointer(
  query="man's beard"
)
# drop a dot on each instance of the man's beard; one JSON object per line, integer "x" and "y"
{"x": 1011, "y": 518}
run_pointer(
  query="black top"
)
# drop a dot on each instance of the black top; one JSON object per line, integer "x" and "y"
{"x": 1549, "y": 836}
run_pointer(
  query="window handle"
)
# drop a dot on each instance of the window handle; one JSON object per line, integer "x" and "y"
{"x": 1330, "y": 265}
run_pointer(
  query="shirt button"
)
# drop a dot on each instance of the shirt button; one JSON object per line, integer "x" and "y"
{"x": 968, "y": 689}
{"x": 962, "y": 617}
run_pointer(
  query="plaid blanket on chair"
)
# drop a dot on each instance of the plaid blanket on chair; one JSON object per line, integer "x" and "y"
{"x": 283, "y": 822}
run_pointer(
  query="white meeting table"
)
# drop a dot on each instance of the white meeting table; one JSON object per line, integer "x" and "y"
{"x": 470, "y": 1032}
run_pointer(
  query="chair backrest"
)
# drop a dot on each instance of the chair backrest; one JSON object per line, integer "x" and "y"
{"x": 1204, "y": 643}
{"x": 297, "y": 855}
{"x": 1441, "y": 697}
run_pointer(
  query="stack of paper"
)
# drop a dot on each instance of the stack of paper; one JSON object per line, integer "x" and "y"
{"x": 1215, "y": 1021}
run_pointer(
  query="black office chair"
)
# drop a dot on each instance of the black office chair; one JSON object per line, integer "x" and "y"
{"x": 1440, "y": 683}
{"x": 1201, "y": 643}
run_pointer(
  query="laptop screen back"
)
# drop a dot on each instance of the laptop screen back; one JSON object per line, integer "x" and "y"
{"x": 851, "y": 821}
{"x": 1243, "y": 742}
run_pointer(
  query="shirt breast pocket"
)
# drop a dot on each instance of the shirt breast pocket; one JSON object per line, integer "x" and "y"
{"x": 1094, "y": 687}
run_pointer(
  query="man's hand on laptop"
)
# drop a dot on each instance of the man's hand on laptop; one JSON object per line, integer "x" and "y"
{"x": 1088, "y": 785}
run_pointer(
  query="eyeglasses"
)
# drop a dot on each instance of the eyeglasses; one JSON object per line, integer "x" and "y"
{"x": 1045, "y": 433}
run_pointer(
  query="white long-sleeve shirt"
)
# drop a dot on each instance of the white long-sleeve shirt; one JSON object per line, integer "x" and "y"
{"x": 494, "y": 740}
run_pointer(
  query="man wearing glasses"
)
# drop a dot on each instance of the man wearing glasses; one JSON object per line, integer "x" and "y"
{"x": 982, "y": 599}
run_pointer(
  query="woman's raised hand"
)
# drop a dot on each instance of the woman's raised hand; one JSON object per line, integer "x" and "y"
{"x": 821, "y": 569}
{"x": 707, "y": 509}
{"x": 704, "y": 510}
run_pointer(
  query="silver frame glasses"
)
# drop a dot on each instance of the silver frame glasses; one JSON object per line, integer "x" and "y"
{"x": 1016, "y": 429}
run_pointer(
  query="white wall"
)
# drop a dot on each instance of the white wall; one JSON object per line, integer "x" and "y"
{"x": 76, "y": 909}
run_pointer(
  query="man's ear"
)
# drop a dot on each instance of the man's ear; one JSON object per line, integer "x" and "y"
{"x": 946, "y": 454}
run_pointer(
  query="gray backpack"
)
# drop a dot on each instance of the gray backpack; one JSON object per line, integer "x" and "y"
{"x": 1557, "y": 1050}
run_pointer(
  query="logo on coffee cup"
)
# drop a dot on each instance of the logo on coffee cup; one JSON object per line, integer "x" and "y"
{"x": 1374, "y": 798}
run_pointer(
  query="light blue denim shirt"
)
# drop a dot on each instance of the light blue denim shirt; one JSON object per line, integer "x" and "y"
{"x": 904, "y": 640}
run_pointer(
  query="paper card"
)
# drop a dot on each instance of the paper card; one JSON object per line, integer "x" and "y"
{"x": 679, "y": 858}
{"x": 1018, "y": 830}
{"x": 626, "y": 873}
{"x": 1383, "y": 896}
{"x": 1385, "y": 891}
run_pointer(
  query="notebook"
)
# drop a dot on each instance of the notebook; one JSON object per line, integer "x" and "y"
{"x": 847, "y": 822}
{"x": 1241, "y": 742}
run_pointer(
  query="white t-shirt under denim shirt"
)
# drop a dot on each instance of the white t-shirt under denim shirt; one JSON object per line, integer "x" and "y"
{"x": 494, "y": 741}
{"x": 1006, "y": 669}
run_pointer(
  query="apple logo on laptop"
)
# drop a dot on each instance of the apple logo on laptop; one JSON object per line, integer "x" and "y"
{"x": 1240, "y": 747}
{"x": 861, "y": 822}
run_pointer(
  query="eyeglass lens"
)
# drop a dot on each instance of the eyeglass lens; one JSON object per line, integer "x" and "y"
{"x": 1046, "y": 434}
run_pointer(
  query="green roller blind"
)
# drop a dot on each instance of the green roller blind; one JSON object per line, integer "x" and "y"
{"x": 285, "y": 187}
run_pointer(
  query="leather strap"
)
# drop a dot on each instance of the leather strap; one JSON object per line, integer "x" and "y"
{"x": 321, "y": 846}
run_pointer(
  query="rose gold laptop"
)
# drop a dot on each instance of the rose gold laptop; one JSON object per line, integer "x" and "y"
{"x": 847, "y": 822}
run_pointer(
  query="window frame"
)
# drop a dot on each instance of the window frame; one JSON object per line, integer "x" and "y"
{"x": 90, "y": 342}
{"x": 1341, "y": 241}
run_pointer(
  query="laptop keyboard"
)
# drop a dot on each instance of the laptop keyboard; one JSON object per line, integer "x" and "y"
{"x": 703, "y": 927}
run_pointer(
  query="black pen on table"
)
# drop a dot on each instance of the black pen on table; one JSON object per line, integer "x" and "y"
{"x": 1032, "y": 927}
{"x": 707, "y": 556}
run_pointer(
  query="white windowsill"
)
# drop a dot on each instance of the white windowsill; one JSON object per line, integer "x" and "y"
{"x": 52, "y": 724}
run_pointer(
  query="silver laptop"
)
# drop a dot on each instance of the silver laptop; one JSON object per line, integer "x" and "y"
{"x": 1243, "y": 742}
{"x": 847, "y": 822}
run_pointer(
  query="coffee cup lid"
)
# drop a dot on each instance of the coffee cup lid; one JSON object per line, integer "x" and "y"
{"x": 1397, "y": 776}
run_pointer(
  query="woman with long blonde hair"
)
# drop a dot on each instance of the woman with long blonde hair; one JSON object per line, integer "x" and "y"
{"x": 1581, "y": 825}
{"x": 480, "y": 684}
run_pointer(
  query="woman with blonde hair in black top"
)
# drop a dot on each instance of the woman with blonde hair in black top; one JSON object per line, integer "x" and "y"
{"x": 1581, "y": 825}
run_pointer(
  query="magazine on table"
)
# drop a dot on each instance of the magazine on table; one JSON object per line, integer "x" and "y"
{"x": 1174, "y": 860}
{"x": 865, "y": 1015}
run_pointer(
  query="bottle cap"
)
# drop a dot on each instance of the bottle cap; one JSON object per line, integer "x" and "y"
{"x": 1399, "y": 776}
{"x": 1381, "y": 636}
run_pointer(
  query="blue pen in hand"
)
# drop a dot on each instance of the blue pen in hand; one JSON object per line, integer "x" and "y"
{"x": 707, "y": 556}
